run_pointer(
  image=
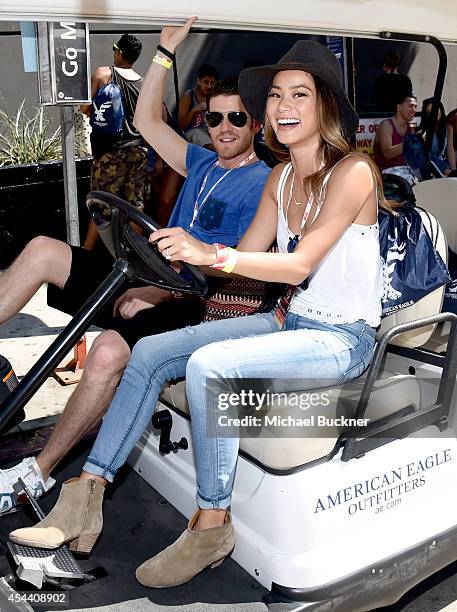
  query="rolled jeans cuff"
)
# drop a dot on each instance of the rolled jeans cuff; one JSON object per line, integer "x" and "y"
{"x": 98, "y": 470}
{"x": 218, "y": 504}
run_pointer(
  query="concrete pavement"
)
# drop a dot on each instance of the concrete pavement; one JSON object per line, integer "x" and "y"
{"x": 24, "y": 338}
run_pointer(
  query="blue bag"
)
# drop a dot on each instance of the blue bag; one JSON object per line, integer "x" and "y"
{"x": 107, "y": 115}
{"x": 411, "y": 266}
{"x": 414, "y": 155}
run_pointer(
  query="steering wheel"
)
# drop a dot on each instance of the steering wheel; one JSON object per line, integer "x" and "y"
{"x": 113, "y": 218}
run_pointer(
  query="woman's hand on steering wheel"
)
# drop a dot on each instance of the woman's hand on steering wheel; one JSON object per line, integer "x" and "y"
{"x": 175, "y": 244}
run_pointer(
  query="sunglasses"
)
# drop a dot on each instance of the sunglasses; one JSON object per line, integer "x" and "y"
{"x": 236, "y": 118}
{"x": 116, "y": 48}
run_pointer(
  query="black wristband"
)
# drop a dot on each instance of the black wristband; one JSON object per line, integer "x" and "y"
{"x": 169, "y": 54}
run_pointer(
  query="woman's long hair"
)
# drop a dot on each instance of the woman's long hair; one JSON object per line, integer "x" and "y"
{"x": 332, "y": 148}
{"x": 441, "y": 124}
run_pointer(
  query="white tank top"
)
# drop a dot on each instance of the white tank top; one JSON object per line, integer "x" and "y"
{"x": 347, "y": 284}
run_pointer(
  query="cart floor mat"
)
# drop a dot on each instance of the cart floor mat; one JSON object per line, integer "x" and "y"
{"x": 138, "y": 524}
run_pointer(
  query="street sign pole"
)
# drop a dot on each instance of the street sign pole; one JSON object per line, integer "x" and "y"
{"x": 67, "y": 132}
{"x": 64, "y": 80}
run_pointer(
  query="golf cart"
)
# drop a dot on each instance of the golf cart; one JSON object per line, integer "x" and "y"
{"x": 352, "y": 519}
{"x": 325, "y": 484}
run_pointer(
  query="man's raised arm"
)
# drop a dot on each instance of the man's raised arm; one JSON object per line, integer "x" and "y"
{"x": 148, "y": 115}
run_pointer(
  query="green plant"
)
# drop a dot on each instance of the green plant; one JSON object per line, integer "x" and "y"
{"x": 25, "y": 140}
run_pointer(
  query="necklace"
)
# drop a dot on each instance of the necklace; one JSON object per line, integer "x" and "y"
{"x": 197, "y": 206}
{"x": 307, "y": 209}
{"x": 292, "y": 189}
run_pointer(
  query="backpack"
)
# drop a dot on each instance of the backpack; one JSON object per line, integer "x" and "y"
{"x": 411, "y": 266}
{"x": 398, "y": 189}
{"x": 107, "y": 116}
{"x": 414, "y": 155}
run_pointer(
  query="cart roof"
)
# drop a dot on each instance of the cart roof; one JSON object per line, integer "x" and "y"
{"x": 343, "y": 17}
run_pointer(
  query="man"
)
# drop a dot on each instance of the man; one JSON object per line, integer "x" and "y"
{"x": 120, "y": 158}
{"x": 217, "y": 202}
{"x": 390, "y": 86}
{"x": 389, "y": 140}
{"x": 192, "y": 107}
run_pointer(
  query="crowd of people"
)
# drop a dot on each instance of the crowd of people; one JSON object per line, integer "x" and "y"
{"x": 400, "y": 147}
{"x": 319, "y": 204}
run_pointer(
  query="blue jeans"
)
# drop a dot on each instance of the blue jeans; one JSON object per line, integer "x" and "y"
{"x": 246, "y": 347}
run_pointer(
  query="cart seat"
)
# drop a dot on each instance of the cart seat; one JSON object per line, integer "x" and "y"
{"x": 279, "y": 448}
{"x": 439, "y": 197}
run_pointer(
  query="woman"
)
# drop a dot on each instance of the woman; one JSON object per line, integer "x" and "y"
{"x": 322, "y": 207}
{"x": 439, "y": 148}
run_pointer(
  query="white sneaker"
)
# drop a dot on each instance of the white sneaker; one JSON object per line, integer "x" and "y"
{"x": 12, "y": 495}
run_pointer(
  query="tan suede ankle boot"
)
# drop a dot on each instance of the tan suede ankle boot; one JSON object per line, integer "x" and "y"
{"x": 189, "y": 555}
{"x": 76, "y": 518}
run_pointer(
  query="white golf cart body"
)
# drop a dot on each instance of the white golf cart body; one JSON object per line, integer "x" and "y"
{"x": 354, "y": 523}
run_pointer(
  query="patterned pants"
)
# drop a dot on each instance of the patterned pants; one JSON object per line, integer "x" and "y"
{"x": 123, "y": 173}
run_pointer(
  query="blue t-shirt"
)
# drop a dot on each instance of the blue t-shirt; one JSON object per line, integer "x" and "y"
{"x": 227, "y": 213}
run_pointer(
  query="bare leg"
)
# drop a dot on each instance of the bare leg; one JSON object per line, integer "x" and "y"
{"x": 88, "y": 476}
{"x": 44, "y": 260}
{"x": 104, "y": 366}
{"x": 208, "y": 519}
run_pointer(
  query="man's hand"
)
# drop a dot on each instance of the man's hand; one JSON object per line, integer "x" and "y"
{"x": 139, "y": 298}
{"x": 175, "y": 244}
{"x": 172, "y": 36}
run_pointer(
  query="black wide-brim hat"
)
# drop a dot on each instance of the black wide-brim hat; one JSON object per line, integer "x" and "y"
{"x": 309, "y": 56}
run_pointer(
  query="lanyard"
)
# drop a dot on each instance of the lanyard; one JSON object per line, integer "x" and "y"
{"x": 305, "y": 214}
{"x": 198, "y": 207}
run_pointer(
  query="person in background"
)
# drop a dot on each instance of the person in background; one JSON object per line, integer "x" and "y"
{"x": 164, "y": 181}
{"x": 193, "y": 106}
{"x": 390, "y": 86}
{"x": 443, "y": 132}
{"x": 389, "y": 139}
{"x": 451, "y": 121}
{"x": 119, "y": 164}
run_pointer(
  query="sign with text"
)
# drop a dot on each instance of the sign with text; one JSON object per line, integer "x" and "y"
{"x": 365, "y": 135}
{"x": 63, "y": 62}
